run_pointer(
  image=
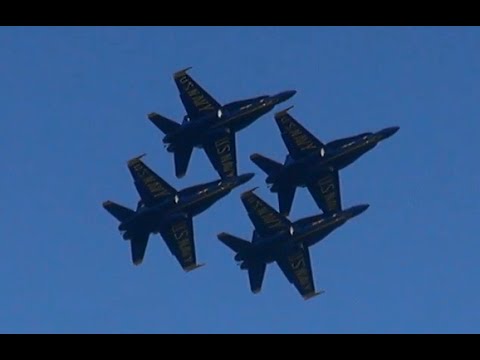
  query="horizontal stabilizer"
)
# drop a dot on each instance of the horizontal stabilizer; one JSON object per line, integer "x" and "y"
{"x": 269, "y": 166}
{"x": 166, "y": 125}
{"x": 121, "y": 213}
{"x": 236, "y": 244}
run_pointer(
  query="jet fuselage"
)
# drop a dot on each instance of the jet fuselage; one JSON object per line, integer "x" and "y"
{"x": 232, "y": 117}
{"x": 188, "y": 202}
{"x": 304, "y": 232}
{"x": 335, "y": 156}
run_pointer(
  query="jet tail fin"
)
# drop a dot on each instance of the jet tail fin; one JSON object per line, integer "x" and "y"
{"x": 164, "y": 124}
{"x": 256, "y": 274}
{"x": 256, "y": 270}
{"x": 285, "y": 199}
{"x": 269, "y": 166}
{"x": 121, "y": 213}
{"x": 181, "y": 158}
{"x": 236, "y": 244}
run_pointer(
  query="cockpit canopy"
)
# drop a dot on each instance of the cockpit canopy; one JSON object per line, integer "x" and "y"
{"x": 244, "y": 104}
{"x": 346, "y": 141}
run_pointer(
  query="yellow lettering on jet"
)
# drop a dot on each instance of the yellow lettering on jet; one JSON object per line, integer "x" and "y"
{"x": 331, "y": 201}
{"x": 185, "y": 250}
{"x": 285, "y": 120}
{"x": 179, "y": 230}
{"x": 149, "y": 180}
{"x": 194, "y": 92}
{"x": 222, "y": 145}
{"x": 184, "y": 80}
{"x": 197, "y": 97}
{"x": 223, "y": 149}
{"x": 327, "y": 187}
{"x": 272, "y": 221}
{"x": 140, "y": 170}
{"x": 300, "y": 271}
{"x": 297, "y": 261}
{"x": 300, "y": 139}
{"x": 294, "y": 131}
{"x": 181, "y": 233}
{"x": 303, "y": 278}
{"x": 200, "y": 101}
{"x": 268, "y": 218}
{"x": 228, "y": 167}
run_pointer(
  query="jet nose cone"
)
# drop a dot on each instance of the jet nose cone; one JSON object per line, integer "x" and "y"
{"x": 242, "y": 179}
{"x": 357, "y": 210}
{"x": 284, "y": 96}
{"x": 390, "y": 131}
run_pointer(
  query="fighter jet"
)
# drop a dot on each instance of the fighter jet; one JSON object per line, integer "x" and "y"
{"x": 313, "y": 164}
{"x": 276, "y": 239}
{"x": 164, "y": 210}
{"x": 210, "y": 125}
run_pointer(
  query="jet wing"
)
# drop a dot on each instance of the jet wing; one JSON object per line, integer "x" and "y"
{"x": 138, "y": 245}
{"x": 151, "y": 187}
{"x": 298, "y": 140}
{"x": 195, "y": 99}
{"x": 267, "y": 221}
{"x": 297, "y": 268}
{"x": 222, "y": 153}
{"x": 178, "y": 235}
{"x": 326, "y": 192}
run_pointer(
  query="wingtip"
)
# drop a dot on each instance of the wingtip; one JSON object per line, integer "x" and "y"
{"x": 256, "y": 291}
{"x": 152, "y": 115}
{"x": 181, "y": 72}
{"x": 137, "y": 262}
{"x": 193, "y": 267}
{"x": 255, "y": 156}
{"x": 136, "y": 159}
{"x": 105, "y": 204}
{"x": 283, "y": 112}
{"x": 248, "y": 192}
{"x": 314, "y": 294}
{"x": 221, "y": 235}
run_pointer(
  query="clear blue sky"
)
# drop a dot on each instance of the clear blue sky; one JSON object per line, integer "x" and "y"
{"x": 73, "y": 111}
